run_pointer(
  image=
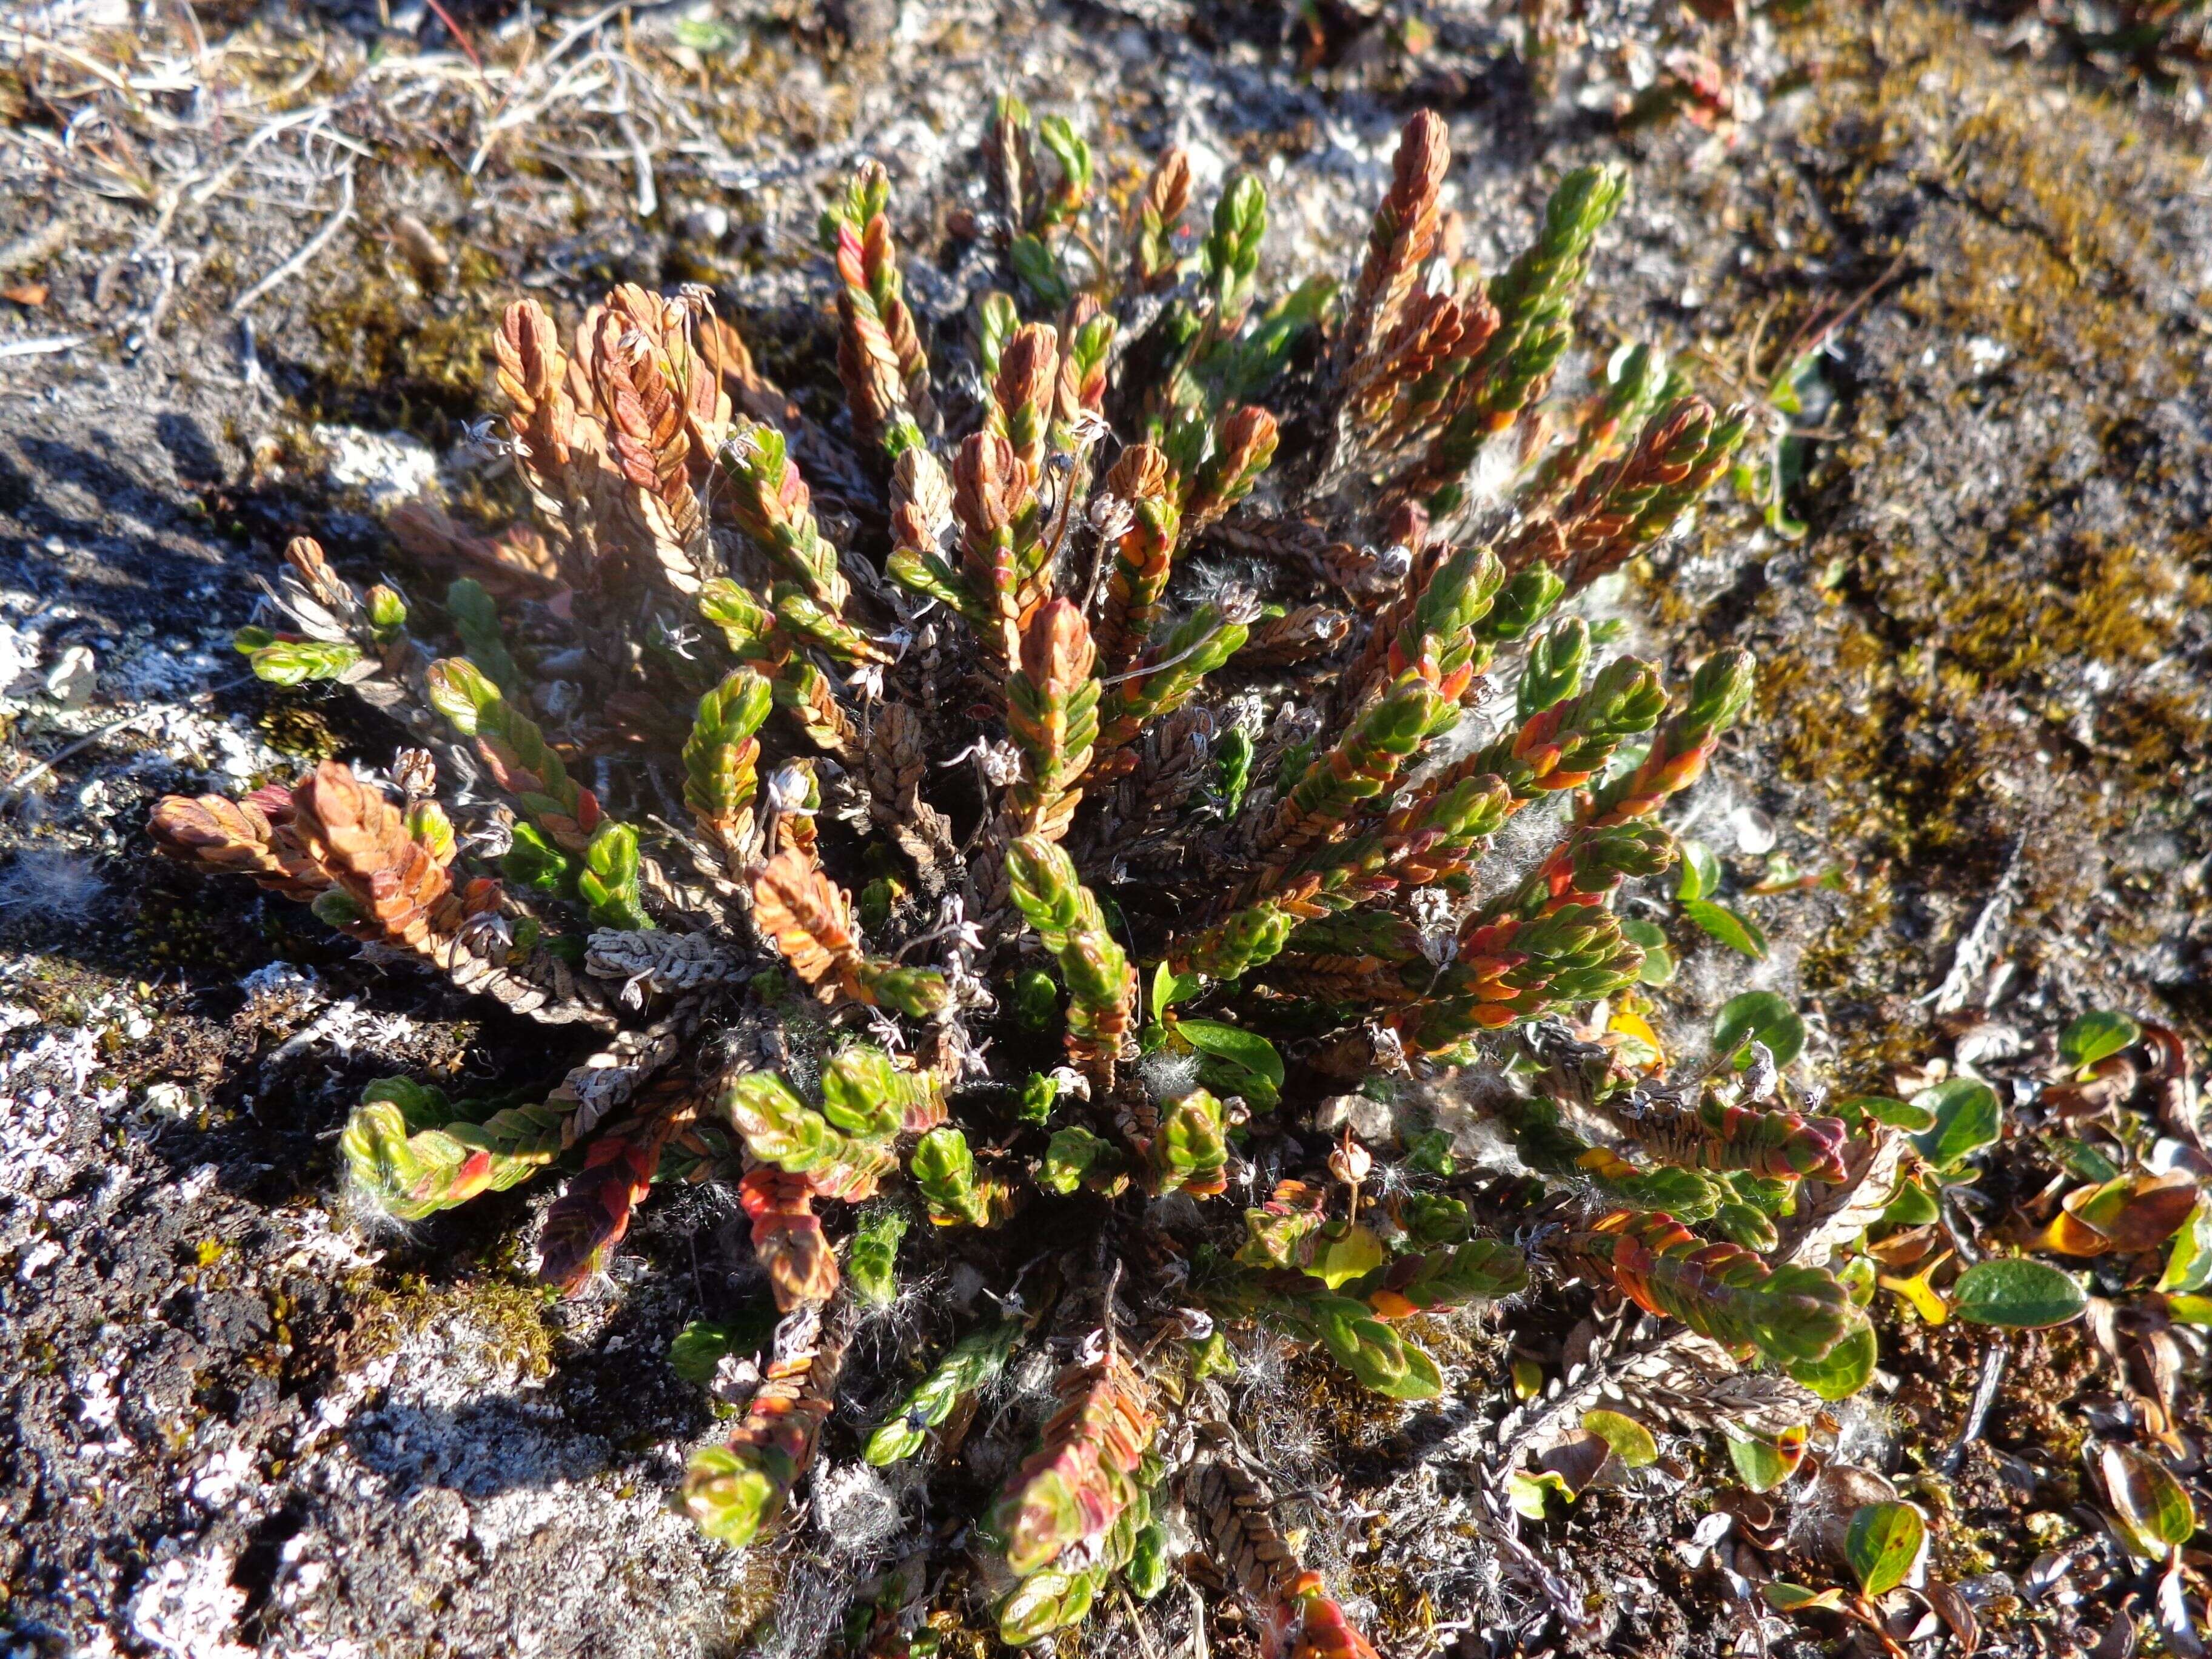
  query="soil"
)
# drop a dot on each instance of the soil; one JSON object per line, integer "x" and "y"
{"x": 239, "y": 1419}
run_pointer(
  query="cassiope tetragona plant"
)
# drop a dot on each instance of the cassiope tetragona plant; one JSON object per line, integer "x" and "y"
{"x": 1008, "y": 774}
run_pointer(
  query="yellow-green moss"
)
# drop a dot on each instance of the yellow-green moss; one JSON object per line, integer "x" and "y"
{"x": 510, "y": 1317}
{"x": 296, "y": 728}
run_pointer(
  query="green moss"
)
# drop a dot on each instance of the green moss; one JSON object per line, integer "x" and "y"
{"x": 1944, "y": 699}
{"x": 396, "y": 356}
{"x": 507, "y": 1315}
{"x": 296, "y": 728}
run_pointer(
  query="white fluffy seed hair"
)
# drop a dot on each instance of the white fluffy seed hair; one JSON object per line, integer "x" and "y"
{"x": 855, "y": 1508}
{"x": 1166, "y": 1076}
{"x": 48, "y": 886}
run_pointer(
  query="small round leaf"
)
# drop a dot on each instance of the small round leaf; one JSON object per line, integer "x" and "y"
{"x": 1759, "y": 1016}
{"x": 2155, "y": 1507}
{"x": 2018, "y": 1294}
{"x": 1739, "y": 933}
{"x": 2189, "y": 1261}
{"x": 1700, "y": 872}
{"x": 1968, "y": 1117}
{"x": 1785, "y": 1597}
{"x": 1631, "y": 1441}
{"x": 1884, "y": 1541}
{"x": 2091, "y": 1037}
{"x": 1882, "y": 1109}
{"x": 1233, "y": 1043}
{"x": 1766, "y": 1464}
{"x": 1846, "y": 1368}
{"x": 1658, "y": 957}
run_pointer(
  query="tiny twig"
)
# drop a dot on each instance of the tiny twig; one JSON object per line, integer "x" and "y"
{"x": 1137, "y": 1623}
{"x": 647, "y": 198}
{"x": 1985, "y": 1394}
{"x": 460, "y": 38}
{"x": 41, "y": 347}
{"x": 308, "y": 249}
{"x": 16, "y": 789}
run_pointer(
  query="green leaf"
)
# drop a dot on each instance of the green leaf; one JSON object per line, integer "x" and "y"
{"x": 1433, "y": 1218}
{"x": 1046, "y": 1602}
{"x": 1038, "y": 1093}
{"x": 1529, "y": 1493}
{"x": 1422, "y": 1380}
{"x": 1912, "y": 1205}
{"x": 534, "y": 862}
{"x": 872, "y": 1259}
{"x": 2018, "y": 1294}
{"x": 1785, "y": 1597}
{"x": 2155, "y": 1507}
{"x": 1737, "y": 932}
{"x": 1857, "y": 1276}
{"x": 1036, "y": 1000}
{"x": 422, "y": 1105}
{"x": 699, "y": 1346}
{"x": 1252, "y": 1053}
{"x": 1745, "y": 1225}
{"x": 1882, "y": 1109}
{"x": 1844, "y": 1369}
{"x": 1169, "y": 988}
{"x": 2189, "y": 1309}
{"x": 1658, "y": 957}
{"x": 1429, "y": 1151}
{"x": 1700, "y": 873}
{"x": 1211, "y": 1356}
{"x": 1633, "y": 1443}
{"x": 1759, "y": 1016}
{"x": 2091, "y": 1037}
{"x": 1968, "y": 1117}
{"x": 1370, "y": 1349}
{"x": 1882, "y": 1544}
{"x": 707, "y": 35}
{"x": 1034, "y": 263}
{"x": 1147, "y": 1571}
{"x": 293, "y": 662}
{"x": 608, "y": 881}
{"x": 1762, "y": 1465}
{"x": 2084, "y": 1162}
{"x": 2189, "y": 1258}
{"x": 1352, "y": 1253}
{"x": 1073, "y": 1153}
{"x": 335, "y": 907}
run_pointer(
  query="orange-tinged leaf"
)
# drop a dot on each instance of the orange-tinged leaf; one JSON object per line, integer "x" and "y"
{"x": 2154, "y": 1212}
{"x": 2128, "y": 1214}
{"x": 2098, "y": 1206}
{"x": 2067, "y": 1234}
{"x": 804, "y": 912}
{"x": 1902, "y": 1250}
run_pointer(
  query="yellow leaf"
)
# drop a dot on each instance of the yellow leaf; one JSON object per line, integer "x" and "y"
{"x": 1930, "y": 1306}
{"x": 1351, "y": 1254}
{"x": 1637, "y": 1037}
{"x": 2069, "y": 1235}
